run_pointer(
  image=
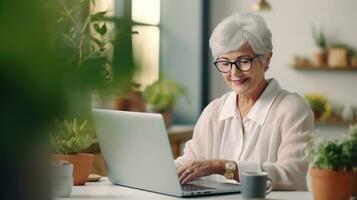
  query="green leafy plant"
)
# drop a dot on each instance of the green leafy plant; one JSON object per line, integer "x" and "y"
{"x": 340, "y": 46}
{"x": 320, "y": 105}
{"x": 319, "y": 37}
{"x": 86, "y": 40}
{"x": 350, "y": 146}
{"x": 162, "y": 94}
{"x": 334, "y": 154}
{"x": 328, "y": 155}
{"x": 353, "y": 53}
{"x": 71, "y": 137}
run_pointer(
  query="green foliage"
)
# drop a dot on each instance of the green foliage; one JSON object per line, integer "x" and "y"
{"x": 336, "y": 154}
{"x": 71, "y": 137}
{"x": 35, "y": 75}
{"x": 162, "y": 94}
{"x": 354, "y": 55}
{"x": 351, "y": 145}
{"x": 328, "y": 155}
{"x": 319, "y": 37}
{"x": 320, "y": 105}
{"x": 31, "y": 77}
{"x": 85, "y": 41}
{"x": 340, "y": 45}
{"x": 353, "y": 131}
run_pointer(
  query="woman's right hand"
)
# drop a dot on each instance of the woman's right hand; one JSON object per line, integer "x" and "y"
{"x": 196, "y": 169}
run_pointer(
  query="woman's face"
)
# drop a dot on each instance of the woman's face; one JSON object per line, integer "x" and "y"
{"x": 244, "y": 83}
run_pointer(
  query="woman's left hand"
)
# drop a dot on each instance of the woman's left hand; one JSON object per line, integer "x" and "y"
{"x": 196, "y": 169}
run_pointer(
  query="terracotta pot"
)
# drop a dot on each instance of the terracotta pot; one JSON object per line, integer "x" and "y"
{"x": 354, "y": 184}
{"x": 320, "y": 57}
{"x": 134, "y": 101}
{"x": 330, "y": 184}
{"x": 82, "y": 165}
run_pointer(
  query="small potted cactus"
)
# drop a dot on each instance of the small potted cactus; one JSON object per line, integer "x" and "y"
{"x": 68, "y": 139}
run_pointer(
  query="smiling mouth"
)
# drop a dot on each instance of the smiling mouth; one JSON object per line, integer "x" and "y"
{"x": 240, "y": 82}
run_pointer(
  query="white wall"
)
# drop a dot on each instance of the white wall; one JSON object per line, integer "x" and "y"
{"x": 180, "y": 53}
{"x": 290, "y": 23}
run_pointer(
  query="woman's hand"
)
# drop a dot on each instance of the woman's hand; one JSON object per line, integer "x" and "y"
{"x": 196, "y": 169}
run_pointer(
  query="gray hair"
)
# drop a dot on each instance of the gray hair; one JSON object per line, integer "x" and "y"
{"x": 236, "y": 30}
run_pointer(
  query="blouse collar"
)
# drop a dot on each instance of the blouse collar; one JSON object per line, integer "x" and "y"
{"x": 261, "y": 107}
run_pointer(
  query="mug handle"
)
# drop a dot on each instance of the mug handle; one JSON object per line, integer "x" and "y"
{"x": 269, "y": 186}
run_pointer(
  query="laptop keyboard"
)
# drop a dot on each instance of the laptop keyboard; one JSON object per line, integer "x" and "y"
{"x": 192, "y": 187}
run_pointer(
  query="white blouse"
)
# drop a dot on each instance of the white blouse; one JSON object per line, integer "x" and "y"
{"x": 272, "y": 137}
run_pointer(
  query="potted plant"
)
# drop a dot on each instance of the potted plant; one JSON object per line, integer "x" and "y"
{"x": 161, "y": 97}
{"x": 320, "y": 55}
{"x": 330, "y": 170}
{"x": 87, "y": 38}
{"x": 68, "y": 139}
{"x": 130, "y": 99}
{"x": 320, "y": 105}
{"x": 84, "y": 39}
{"x": 338, "y": 55}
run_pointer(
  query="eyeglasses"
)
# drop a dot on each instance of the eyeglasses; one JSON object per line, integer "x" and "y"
{"x": 243, "y": 64}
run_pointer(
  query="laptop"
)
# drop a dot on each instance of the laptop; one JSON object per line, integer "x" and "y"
{"x": 137, "y": 152}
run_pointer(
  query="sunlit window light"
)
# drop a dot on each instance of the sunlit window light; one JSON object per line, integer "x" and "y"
{"x": 146, "y": 54}
{"x": 146, "y": 11}
{"x": 105, "y": 5}
{"x": 109, "y": 7}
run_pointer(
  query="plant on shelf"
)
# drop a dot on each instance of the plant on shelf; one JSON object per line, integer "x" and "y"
{"x": 68, "y": 139}
{"x": 320, "y": 105}
{"x": 319, "y": 37}
{"x": 131, "y": 100}
{"x": 338, "y": 55}
{"x": 330, "y": 169}
{"x": 301, "y": 61}
{"x": 320, "y": 55}
{"x": 161, "y": 96}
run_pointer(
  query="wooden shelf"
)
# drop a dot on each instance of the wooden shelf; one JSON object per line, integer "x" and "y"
{"x": 335, "y": 122}
{"x": 311, "y": 67}
{"x": 179, "y": 134}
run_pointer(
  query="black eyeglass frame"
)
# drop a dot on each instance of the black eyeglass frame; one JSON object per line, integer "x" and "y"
{"x": 236, "y": 63}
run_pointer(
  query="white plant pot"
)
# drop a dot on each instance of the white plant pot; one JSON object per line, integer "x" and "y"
{"x": 62, "y": 179}
{"x": 347, "y": 113}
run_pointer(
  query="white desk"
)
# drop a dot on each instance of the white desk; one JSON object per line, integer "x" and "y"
{"x": 106, "y": 190}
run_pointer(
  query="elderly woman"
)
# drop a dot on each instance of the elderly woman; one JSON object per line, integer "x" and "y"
{"x": 258, "y": 125}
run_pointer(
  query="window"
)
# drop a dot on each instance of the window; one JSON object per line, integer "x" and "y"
{"x": 145, "y": 19}
{"x": 146, "y": 45}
